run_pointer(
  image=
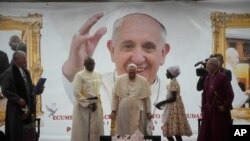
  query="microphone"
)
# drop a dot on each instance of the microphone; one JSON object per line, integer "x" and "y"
{"x": 92, "y": 98}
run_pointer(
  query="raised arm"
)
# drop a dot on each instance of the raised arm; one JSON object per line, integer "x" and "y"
{"x": 82, "y": 45}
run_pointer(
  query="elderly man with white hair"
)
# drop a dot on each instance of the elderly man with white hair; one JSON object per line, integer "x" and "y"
{"x": 131, "y": 104}
{"x": 232, "y": 57}
{"x": 217, "y": 101}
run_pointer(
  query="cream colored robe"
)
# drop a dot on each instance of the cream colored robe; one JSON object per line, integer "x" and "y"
{"x": 131, "y": 101}
{"x": 86, "y": 84}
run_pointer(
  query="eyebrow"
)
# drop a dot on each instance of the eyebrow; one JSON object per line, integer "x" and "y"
{"x": 151, "y": 44}
{"x": 126, "y": 42}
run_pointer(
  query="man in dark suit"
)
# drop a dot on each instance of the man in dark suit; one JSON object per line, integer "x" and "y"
{"x": 4, "y": 63}
{"x": 17, "y": 87}
{"x": 16, "y": 44}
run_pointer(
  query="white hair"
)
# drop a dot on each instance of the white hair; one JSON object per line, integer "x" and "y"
{"x": 214, "y": 61}
{"x": 131, "y": 66}
{"x": 18, "y": 54}
{"x": 174, "y": 70}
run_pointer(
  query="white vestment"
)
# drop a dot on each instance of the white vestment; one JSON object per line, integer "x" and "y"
{"x": 239, "y": 96}
{"x": 158, "y": 91}
{"x": 87, "y": 85}
{"x": 131, "y": 101}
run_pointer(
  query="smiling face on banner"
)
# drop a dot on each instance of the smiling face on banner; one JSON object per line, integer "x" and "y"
{"x": 138, "y": 39}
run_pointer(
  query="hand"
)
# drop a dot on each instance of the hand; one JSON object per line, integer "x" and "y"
{"x": 22, "y": 102}
{"x": 92, "y": 106}
{"x": 149, "y": 116}
{"x": 41, "y": 90}
{"x": 221, "y": 108}
{"x": 158, "y": 105}
{"x": 82, "y": 45}
{"x": 112, "y": 115}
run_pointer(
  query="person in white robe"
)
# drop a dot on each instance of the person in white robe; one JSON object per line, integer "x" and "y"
{"x": 131, "y": 105}
{"x": 240, "y": 97}
{"x": 87, "y": 123}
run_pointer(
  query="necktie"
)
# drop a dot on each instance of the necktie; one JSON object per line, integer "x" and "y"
{"x": 25, "y": 80}
{"x": 23, "y": 74}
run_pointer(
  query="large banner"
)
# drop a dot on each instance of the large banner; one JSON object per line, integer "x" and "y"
{"x": 191, "y": 35}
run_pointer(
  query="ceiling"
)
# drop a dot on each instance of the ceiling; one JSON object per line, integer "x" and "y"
{"x": 91, "y": 0}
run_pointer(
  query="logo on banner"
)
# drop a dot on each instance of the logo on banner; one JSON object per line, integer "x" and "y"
{"x": 51, "y": 109}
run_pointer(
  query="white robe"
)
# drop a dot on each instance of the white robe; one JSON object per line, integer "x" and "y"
{"x": 239, "y": 95}
{"x": 131, "y": 101}
{"x": 86, "y": 85}
{"x": 158, "y": 91}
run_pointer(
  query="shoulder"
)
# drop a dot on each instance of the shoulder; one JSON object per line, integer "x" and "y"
{"x": 122, "y": 76}
{"x": 81, "y": 72}
{"x": 7, "y": 73}
{"x": 222, "y": 76}
{"x": 3, "y": 53}
{"x": 98, "y": 74}
{"x": 174, "y": 81}
{"x": 141, "y": 78}
{"x": 225, "y": 70}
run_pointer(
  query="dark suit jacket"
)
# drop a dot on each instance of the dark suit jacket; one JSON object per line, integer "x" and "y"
{"x": 14, "y": 88}
{"x": 4, "y": 63}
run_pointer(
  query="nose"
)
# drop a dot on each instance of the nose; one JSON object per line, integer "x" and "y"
{"x": 138, "y": 56}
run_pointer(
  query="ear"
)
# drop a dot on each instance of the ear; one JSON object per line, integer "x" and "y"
{"x": 111, "y": 49}
{"x": 164, "y": 52}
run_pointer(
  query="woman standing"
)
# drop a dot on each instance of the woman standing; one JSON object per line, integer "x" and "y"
{"x": 174, "y": 117}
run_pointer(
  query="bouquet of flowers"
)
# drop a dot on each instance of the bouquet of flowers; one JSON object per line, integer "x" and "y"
{"x": 137, "y": 136}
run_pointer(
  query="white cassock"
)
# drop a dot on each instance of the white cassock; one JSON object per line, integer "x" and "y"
{"x": 131, "y": 101}
{"x": 158, "y": 90}
{"x": 86, "y": 85}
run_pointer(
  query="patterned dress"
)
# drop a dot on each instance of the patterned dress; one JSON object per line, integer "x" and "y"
{"x": 174, "y": 117}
